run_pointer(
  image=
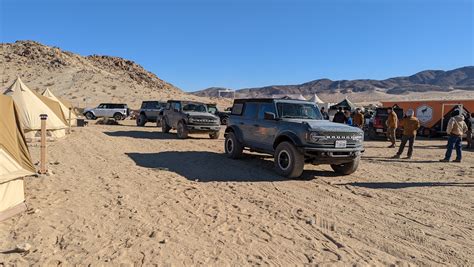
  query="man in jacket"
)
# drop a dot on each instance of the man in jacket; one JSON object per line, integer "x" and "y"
{"x": 392, "y": 124}
{"x": 339, "y": 117}
{"x": 410, "y": 126}
{"x": 456, "y": 129}
{"x": 325, "y": 114}
{"x": 358, "y": 120}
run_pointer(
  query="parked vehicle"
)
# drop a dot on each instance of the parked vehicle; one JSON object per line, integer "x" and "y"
{"x": 223, "y": 115}
{"x": 150, "y": 112}
{"x": 377, "y": 127}
{"x": 294, "y": 132}
{"x": 189, "y": 117}
{"x": 107, "y": 110}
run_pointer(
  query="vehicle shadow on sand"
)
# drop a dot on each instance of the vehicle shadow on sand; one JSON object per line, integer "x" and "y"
{"x": 205, "y": 166}
{"x": 398, "y": 185}
{"x": 150, "y": 135}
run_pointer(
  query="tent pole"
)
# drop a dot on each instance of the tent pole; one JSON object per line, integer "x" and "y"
{"x": 69, "y": 121}
{"x": 43, "y": 168}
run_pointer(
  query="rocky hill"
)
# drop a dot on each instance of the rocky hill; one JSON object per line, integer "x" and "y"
{"x": 83, "y": 80}
{"x": 422, "y": 82}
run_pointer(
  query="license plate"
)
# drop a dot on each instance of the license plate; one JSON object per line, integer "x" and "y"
{"x": 341, "y": 144}
{"x": 379, "y": 130}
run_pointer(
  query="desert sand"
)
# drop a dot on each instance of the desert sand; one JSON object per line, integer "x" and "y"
{"x": 135, "y": 196}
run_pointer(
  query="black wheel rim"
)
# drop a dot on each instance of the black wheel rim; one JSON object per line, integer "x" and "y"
{"x": 283, "y": 159}
{"x": 230, "y": 145}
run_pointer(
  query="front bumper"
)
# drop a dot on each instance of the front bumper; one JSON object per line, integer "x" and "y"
{"x": 317, "y": 155}
{"x": 203, "y": 128}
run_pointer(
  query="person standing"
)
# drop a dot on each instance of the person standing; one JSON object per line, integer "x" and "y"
{"x": 392, "y": 125}
{"x": 468, "y": 122}
{"x": 456, "y": 129}
{"x": 410, "y": 124}
{"x": 339, "y": 117}
{"x": 347, "y": 114}
{"x": 325, "y": 114}
{"x": 358, "y": 120}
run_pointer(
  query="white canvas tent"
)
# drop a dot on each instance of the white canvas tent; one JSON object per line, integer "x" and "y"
{"x": 30, "y": 105}
{"x": 15, "y": 161}
{"x": 64, "y": 107}
{"x": 316, "y": 99}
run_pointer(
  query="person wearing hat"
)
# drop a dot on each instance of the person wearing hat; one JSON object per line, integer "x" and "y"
{"x": 339, "y": 117}
{"x": 410, "y": 124}
{"x": 455, "y": 130}
{"x": 392, "y": 124}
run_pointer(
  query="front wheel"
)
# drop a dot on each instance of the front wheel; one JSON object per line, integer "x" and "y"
{"x": 233, "y": 148}
{"x": 289, "y": 162}
{"x": 141, "y": 120}
{"x": 346, "y": 168}
{"x": 214, "y": 135}
{"x": 90, "y": 116}
{"x": 182, "y": 130}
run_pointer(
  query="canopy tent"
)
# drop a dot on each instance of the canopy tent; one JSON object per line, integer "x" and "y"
{"x": 316, "y": 99}
{"x": 30, "y": 105}
{"x": 15, "y": 160}
{"x": 289, "y": 96}
{"x": 344, "y": 104}
{"x": 64, "y": 105}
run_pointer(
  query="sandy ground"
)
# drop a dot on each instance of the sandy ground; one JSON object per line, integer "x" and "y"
{"x": 123, "y": 194}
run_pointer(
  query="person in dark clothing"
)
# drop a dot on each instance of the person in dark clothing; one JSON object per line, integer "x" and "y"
{"x": 469, "y": 134}
{"x": 340, "y": 117}
{"x": 325, "y": 114}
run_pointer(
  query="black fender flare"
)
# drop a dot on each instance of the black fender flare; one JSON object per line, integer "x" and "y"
{"x": 236, "y": 131}
{"x": 287, "y": 136}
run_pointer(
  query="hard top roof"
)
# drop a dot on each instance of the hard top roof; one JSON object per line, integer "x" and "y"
{"x": 187, "y": 102}
{"x": 268, "y": 100}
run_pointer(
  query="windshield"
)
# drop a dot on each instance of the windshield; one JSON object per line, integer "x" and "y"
{"x": 212, "y": 110}
{"x": 195, "y": 107}
{"x": 299, "y": 111}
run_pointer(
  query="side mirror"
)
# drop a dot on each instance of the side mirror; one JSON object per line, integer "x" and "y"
{"x": 269, "y": 116}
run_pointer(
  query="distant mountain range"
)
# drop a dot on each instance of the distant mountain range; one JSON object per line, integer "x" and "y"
{"x": 424, "y": 81}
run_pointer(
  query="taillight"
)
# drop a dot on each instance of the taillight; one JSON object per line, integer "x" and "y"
{"x": 377, "y": 122}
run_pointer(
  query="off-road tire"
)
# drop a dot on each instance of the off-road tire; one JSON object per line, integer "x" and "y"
{"x": 141, "y": 120}
{"x": 165, "y": 128}
{"x": 289, "y": 162}
{"x": 118, "y": 116}
{"x": 182, "y": 130}
{"x": 90, "y": 116}
{"x": 232, "y": 147}
{"x": 214, "y": 135}
{"x": 346, "y": 168}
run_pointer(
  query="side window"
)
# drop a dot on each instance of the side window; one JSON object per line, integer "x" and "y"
{"x": 101, "y": 106}
{"x": 265, "y": 107}
{"x": 168, "y": 105}
{"x": 250, "y": 110}
{"x": 177, "y": 105}
{"x": 237, "y": 109}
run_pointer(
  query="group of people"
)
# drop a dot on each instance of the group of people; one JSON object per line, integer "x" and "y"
{"x": 457, "y": 127}
{"x": 356, "y": 120}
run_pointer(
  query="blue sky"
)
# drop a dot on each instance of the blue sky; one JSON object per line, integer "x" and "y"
{"x": 237, "y": 44}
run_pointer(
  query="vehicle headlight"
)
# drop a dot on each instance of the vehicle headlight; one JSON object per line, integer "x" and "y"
{"x": 358, "y": 137}
{"x": 190, "y": 119}
{"x": 315, "y": 137}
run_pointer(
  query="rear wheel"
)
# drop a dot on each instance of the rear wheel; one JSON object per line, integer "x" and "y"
{"x": 165, "y": 128}
{"x": 289, "y": 162}
{"x": 141, "y": 120}
{"x": 346, "y": 168}
{"x": 214, "y": 135}
{"x": 182, "y": 130}
{"x": 118, "y": 116}
{"x": 233, "y": 148}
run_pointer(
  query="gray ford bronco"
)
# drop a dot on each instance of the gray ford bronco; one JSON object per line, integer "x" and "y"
{"x": 189, "y": 117}
{"x": 295, "y": 133}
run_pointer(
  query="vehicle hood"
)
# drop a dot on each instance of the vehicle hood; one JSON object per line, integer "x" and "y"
{"x": 201, "y": 115}
{"x": 332, "y": 127}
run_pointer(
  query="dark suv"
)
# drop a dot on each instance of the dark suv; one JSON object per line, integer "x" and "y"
{"x": 295, "y": 133}
{"x": 189, "y": 117}
{"x": 223, "y": 115}
{"x": 150, "y": 112}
